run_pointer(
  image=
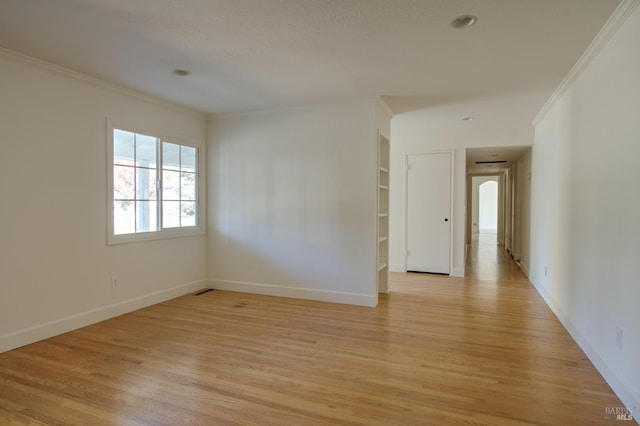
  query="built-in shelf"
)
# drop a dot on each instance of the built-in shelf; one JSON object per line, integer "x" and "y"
{"x": 383, "y": 215}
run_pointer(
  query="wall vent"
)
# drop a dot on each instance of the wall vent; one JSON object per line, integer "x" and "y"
{"x": 206, "y": 290}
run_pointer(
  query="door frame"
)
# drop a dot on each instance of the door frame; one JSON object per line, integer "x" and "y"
{"x": 406, "y": 202}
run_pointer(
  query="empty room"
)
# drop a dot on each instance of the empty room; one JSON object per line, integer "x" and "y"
{"x": 310, "y": 212}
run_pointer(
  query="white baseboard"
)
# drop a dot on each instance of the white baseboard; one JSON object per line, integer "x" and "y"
{"x": 457, "y": 272}
{"x": 397, "y": 267}
{"x": 295, "y": 292}
{"x": 629, "y": 397}
{"x": 53, "y": 328}
{"x": 525, "y": 269}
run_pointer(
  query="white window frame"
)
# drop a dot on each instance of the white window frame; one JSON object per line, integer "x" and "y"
{"x": 162, "y": 233}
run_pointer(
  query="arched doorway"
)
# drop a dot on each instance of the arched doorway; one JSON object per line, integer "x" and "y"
{"x": 488, "y": 208}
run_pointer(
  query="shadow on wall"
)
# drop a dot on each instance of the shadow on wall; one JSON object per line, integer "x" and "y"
{"x": 267, "y": 228}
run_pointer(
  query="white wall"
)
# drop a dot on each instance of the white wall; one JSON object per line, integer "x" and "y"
{"x": 55, "y": 265}
{"x": 584, "y": 209}
{"x": 292, "y": 202}
{"x": 449, "y": 137}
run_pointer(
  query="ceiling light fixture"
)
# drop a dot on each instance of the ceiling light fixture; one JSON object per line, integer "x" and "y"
{"x": 182, "y": 73}
{"x": 464, "y": 21}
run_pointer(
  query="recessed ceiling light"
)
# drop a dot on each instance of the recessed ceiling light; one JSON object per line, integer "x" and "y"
{"x": 468, "y": 119}
{"x": 464, "y": 21}
{"x": 182, "y": 73}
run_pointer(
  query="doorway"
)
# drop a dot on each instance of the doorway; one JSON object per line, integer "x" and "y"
{"x": 510, "y": 170}
{"x": 488, "y": 208}
{"x": 428, "y": 207}
{"x": 484, "y": 202}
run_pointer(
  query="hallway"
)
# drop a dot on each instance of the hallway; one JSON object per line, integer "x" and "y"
{"x": 488, "y": 261}
{"x": 493, "y": 348}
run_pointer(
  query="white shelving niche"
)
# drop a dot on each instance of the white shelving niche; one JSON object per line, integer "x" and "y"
{"x": 383, "y": 215}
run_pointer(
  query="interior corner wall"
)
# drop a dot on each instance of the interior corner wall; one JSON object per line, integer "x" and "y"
{"x": 383, "y": 118}
{"x": 55, "y": 265}
{"x": 292, "y": 202}
{"x": 584, "y": 205}
{"x": 406, "y": 138}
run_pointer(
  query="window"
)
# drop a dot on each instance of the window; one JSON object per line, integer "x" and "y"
{"x": 153, "y": 187}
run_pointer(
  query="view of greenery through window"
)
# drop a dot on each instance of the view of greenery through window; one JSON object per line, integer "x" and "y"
{"x": 148, "y": 197}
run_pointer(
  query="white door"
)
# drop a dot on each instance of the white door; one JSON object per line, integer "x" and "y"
{"x": 429, "y": 212}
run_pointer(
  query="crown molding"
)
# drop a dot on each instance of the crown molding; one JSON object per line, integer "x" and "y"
{"x": 610, "y": 28}
{"x": 96, "y": 82}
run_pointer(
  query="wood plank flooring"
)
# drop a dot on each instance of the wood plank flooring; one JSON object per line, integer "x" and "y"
{"x": 436, "y": 351}
{"x": 486, "y": 260}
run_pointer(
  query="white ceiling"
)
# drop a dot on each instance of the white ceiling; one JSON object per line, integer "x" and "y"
{"x": 509, "y": 154}
{"x": 255, "y": 54}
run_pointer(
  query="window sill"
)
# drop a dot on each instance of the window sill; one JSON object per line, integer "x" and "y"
{"x": 153, "y": 236}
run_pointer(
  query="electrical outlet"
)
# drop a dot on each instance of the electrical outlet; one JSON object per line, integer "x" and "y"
{"x": 546, "y": 271}
{"x": 619, "y": 337}
{"x": 115, "y": 282}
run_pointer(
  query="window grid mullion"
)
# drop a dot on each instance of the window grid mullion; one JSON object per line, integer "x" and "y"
{"x": 159, "y": 184}
{"x": 196, "y": 178}
{"x": 139, "y": 215}
{"x": 180, "y": 186}
{"x": 135, "y": 180}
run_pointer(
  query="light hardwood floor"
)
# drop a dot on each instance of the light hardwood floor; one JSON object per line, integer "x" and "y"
{"x": 488, "y": 261}
{"x": 436, "y": 351}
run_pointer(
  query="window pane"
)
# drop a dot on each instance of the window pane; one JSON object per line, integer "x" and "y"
{"x": 146, "y": 184}
{"x": 146, "y": 151}
{"x": 124, "y": 217}
{"x": 123, "y": 152}
{"x": 170, "y": 185}
{"x": 137, "y": 200}
{"x": 188, "y": 213}
{"x": 146, "y": 212}
{"x": 171, "y": 214}
{"x": 170, "y": 156}
{"x": 188, "y": 186}
{"x": 124, "y": 183}
{"x": 188, "y": 158}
